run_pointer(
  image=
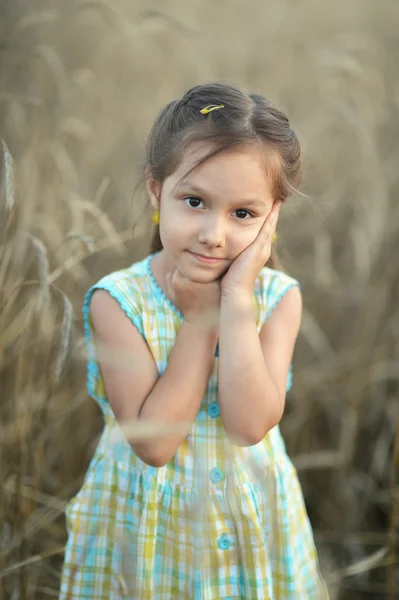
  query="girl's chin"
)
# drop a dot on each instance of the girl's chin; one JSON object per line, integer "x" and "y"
{"x": 200, "y": 277}
{"x": 203, "y": 275}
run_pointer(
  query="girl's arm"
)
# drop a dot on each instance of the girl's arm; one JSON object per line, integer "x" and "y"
{"x": 133, "y": 386}
{"x": 253, "y": 368}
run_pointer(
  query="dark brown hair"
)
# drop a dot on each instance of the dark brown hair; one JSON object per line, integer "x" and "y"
{"x": 244, "y": 118}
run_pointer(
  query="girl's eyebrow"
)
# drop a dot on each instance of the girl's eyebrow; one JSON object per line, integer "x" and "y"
{"x": 185, "y": 183}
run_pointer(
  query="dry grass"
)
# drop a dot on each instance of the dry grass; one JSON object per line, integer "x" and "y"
{"x": 80, "y": 83}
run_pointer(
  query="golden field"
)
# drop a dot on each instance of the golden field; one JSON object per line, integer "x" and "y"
{"x": 80, "y": 84}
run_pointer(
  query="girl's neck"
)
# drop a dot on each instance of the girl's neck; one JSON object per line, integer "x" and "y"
{"x": 161, "y": 265}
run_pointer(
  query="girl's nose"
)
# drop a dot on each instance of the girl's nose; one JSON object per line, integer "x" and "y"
{"x": 213, "y": 232}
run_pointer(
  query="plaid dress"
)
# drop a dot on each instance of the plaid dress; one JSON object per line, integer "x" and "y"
{"x": 218, "y": 522}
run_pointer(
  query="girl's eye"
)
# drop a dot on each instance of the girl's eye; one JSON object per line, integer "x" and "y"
{"x": 242, "y": 214}
{"x": 192, "y": 201}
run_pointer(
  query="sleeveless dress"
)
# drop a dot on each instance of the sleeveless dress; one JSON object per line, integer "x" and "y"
{"x": 218, "y": 522}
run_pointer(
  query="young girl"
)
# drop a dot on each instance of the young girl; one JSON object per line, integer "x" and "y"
{"x": 196, "y": 342}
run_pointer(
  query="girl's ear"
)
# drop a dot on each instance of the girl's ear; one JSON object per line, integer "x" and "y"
{"x": 153, "y": 189}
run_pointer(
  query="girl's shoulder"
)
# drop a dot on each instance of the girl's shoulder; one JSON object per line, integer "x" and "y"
{"x": 129, "y": 286}
{"x": 132, "y": 278}
{"x": 271, "y": 285}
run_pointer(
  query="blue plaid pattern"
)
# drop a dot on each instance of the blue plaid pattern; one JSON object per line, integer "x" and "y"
{"x": 217, "y": 522}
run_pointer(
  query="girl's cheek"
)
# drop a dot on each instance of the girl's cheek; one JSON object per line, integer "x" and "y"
{"x": 246, "y": 240}
{"x": 186, "y": 224}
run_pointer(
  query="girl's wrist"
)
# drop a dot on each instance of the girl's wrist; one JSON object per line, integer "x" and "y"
{"x": 200, "y": 325}
{"x": 239, "y": 304}
{"x": 239, "y": 297}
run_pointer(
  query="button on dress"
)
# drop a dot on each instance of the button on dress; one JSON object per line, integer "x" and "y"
{"x": 216, "y": 522}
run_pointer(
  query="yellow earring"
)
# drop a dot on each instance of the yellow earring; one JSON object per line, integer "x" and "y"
{"x": 274, "y": 238}
{"x": 155, "y": 217}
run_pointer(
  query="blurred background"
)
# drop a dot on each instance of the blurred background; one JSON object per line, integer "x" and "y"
{"x": 80, "y": 84}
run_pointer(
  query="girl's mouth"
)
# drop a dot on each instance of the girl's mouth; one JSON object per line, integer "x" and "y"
{"x": 210, "y": 260}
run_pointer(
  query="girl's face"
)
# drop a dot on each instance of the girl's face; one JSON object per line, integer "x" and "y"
{"x": 208, "y": 217}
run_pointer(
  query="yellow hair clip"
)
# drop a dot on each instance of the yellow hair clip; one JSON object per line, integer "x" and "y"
{"x": 210, "y": 108}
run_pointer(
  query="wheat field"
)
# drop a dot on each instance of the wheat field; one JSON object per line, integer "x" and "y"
{"x": 80, "y": 83}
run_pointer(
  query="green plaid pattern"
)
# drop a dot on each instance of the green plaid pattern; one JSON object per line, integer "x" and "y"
{"x": 217, "y": 522}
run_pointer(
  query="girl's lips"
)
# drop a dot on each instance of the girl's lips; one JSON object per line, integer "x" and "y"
{"x": 206, "y": 259}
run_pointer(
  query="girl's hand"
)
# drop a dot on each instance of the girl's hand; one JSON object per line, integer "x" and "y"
{"x": 240, "y": 278}
{"x": 198, "y": 302}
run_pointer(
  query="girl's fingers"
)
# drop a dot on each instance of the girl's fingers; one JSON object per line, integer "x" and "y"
{"x": 276, "y": 210}
{"x": 275, "y": 213}
{"x": 170, "y": 282}
{"x": 269, "y": 226}
{"x": 178, "y": 278}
